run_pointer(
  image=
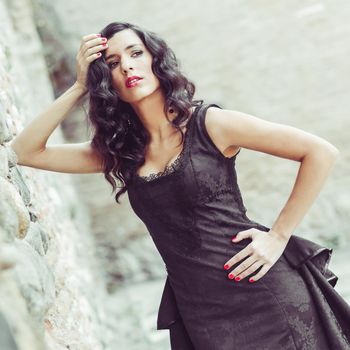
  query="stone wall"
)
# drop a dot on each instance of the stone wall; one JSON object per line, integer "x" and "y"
{"x": 50, "y": 290}
{"x": 284, "y": 62}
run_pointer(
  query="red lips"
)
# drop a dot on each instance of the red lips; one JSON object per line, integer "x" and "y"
{"x": 131, "y": 81}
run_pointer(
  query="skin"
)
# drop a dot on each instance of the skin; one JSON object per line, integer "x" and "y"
{"x": 229, "y": 130}
{"x": 316, "y": 156}
{"x": 147, "y": 98}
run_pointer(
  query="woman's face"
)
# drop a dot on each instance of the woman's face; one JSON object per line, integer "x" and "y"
{"x": 128, "y": 57}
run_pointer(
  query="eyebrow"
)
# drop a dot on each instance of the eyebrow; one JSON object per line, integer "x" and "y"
{"x": 127, "y": 48}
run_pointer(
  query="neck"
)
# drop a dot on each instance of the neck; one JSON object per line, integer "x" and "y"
{"x": 150, "y": 111}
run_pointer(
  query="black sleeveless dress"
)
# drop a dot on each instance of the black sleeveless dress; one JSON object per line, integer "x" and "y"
{"x": 192, "y": 210}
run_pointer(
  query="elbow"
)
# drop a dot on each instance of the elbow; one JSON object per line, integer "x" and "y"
{"x": 332, "y": 151}
{"x": 324, "y": 152}
{"x": 17, "y": 153}
{"x": 329, "y": 153}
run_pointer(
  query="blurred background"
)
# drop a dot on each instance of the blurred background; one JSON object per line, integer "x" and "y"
{"x": 285, "y": 62}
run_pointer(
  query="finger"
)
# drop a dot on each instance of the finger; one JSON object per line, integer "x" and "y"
{"x": 252, "y": 268}
{"x": 85, "y": 44}
{"x": 238, "y": 270}
{"x": 93, "y": 43}
{"x": 261, "y": 273}
{"x": 247, "y": 251}
{"x": 93, "y": 57}
{"x": 242, "y": 235}
{"x": 92, "y": 47}
{"x": 88, "y": 37}
{"x": 95, "y": 49}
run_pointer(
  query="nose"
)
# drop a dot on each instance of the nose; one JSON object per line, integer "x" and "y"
{"x": 126, "y": 65}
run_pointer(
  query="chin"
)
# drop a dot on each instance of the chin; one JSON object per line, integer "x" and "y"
{"x": 139, "y": 95}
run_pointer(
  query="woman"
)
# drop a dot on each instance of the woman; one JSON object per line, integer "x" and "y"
{"x": 264, "y": 289}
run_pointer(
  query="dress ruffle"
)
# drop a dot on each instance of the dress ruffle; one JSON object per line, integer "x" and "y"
{"x": 312, "y": 260}
{"x": 168, "y": 312}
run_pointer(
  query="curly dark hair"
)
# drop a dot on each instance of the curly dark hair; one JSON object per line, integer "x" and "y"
{"x": 118, "y": 134}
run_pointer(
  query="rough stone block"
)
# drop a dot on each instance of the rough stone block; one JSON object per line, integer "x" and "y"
{"x": 11, "y": 155}
{"x": 4, "y": 130}
{"x": 18, "y": 181}
{"x": 7, "y": 257}
{"x": 37, "y": 238}
{"x": 35, "y": 279}
{"x": 7, "y": 340}
{"x": 14, "y": 215}
{"x": 4, "y": 167}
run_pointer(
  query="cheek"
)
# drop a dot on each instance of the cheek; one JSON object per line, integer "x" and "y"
{"x": 117, "y": 81}
{"x": 154, "y": 79}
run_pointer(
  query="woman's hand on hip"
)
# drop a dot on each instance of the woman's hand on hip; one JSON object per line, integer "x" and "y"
{"x": 89, "y": 50}
{"x": 264, "y": 250}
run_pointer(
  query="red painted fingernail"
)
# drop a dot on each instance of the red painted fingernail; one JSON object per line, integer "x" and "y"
{"x": 104, "y": 44}
{"x": 237, "y": 278}
{"x": 251, "y": 280}
{"x": 98, "y": 34}
{"x": 230, "y": 276}
{"x": 226, "y": 267}
{"x": 234, "y": 237}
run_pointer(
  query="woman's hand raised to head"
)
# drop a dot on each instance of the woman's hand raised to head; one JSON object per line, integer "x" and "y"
{"x": 89, "y": 50}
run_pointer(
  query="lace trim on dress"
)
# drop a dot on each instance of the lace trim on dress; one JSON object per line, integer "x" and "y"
{"x": 170, "y": 168}
{"x": 178, "y": 162}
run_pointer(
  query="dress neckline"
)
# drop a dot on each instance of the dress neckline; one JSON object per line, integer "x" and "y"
{"x": 176, "y": 164}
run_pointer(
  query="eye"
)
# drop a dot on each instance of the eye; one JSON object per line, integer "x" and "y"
{"x": 112, "y": 65}
{"x": 138, "y": 53}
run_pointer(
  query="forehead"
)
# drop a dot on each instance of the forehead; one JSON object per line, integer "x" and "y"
{"x": 119, "y": 41}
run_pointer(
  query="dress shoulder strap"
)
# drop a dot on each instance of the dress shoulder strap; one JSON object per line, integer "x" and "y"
{"x": 200, "y": 138}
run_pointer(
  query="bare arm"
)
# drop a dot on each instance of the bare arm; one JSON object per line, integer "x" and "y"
{"x": 30, "y": 145}
{"x": 33, "y": 137}
{"x": 317, "y": 156}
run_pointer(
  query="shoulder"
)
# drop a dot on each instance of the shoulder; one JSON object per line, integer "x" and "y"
{"x": 217, "y": 118}
{"x": 229, "y": 128}
{"x": 217, "y": 123}
{"x": 229, "y": 124}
